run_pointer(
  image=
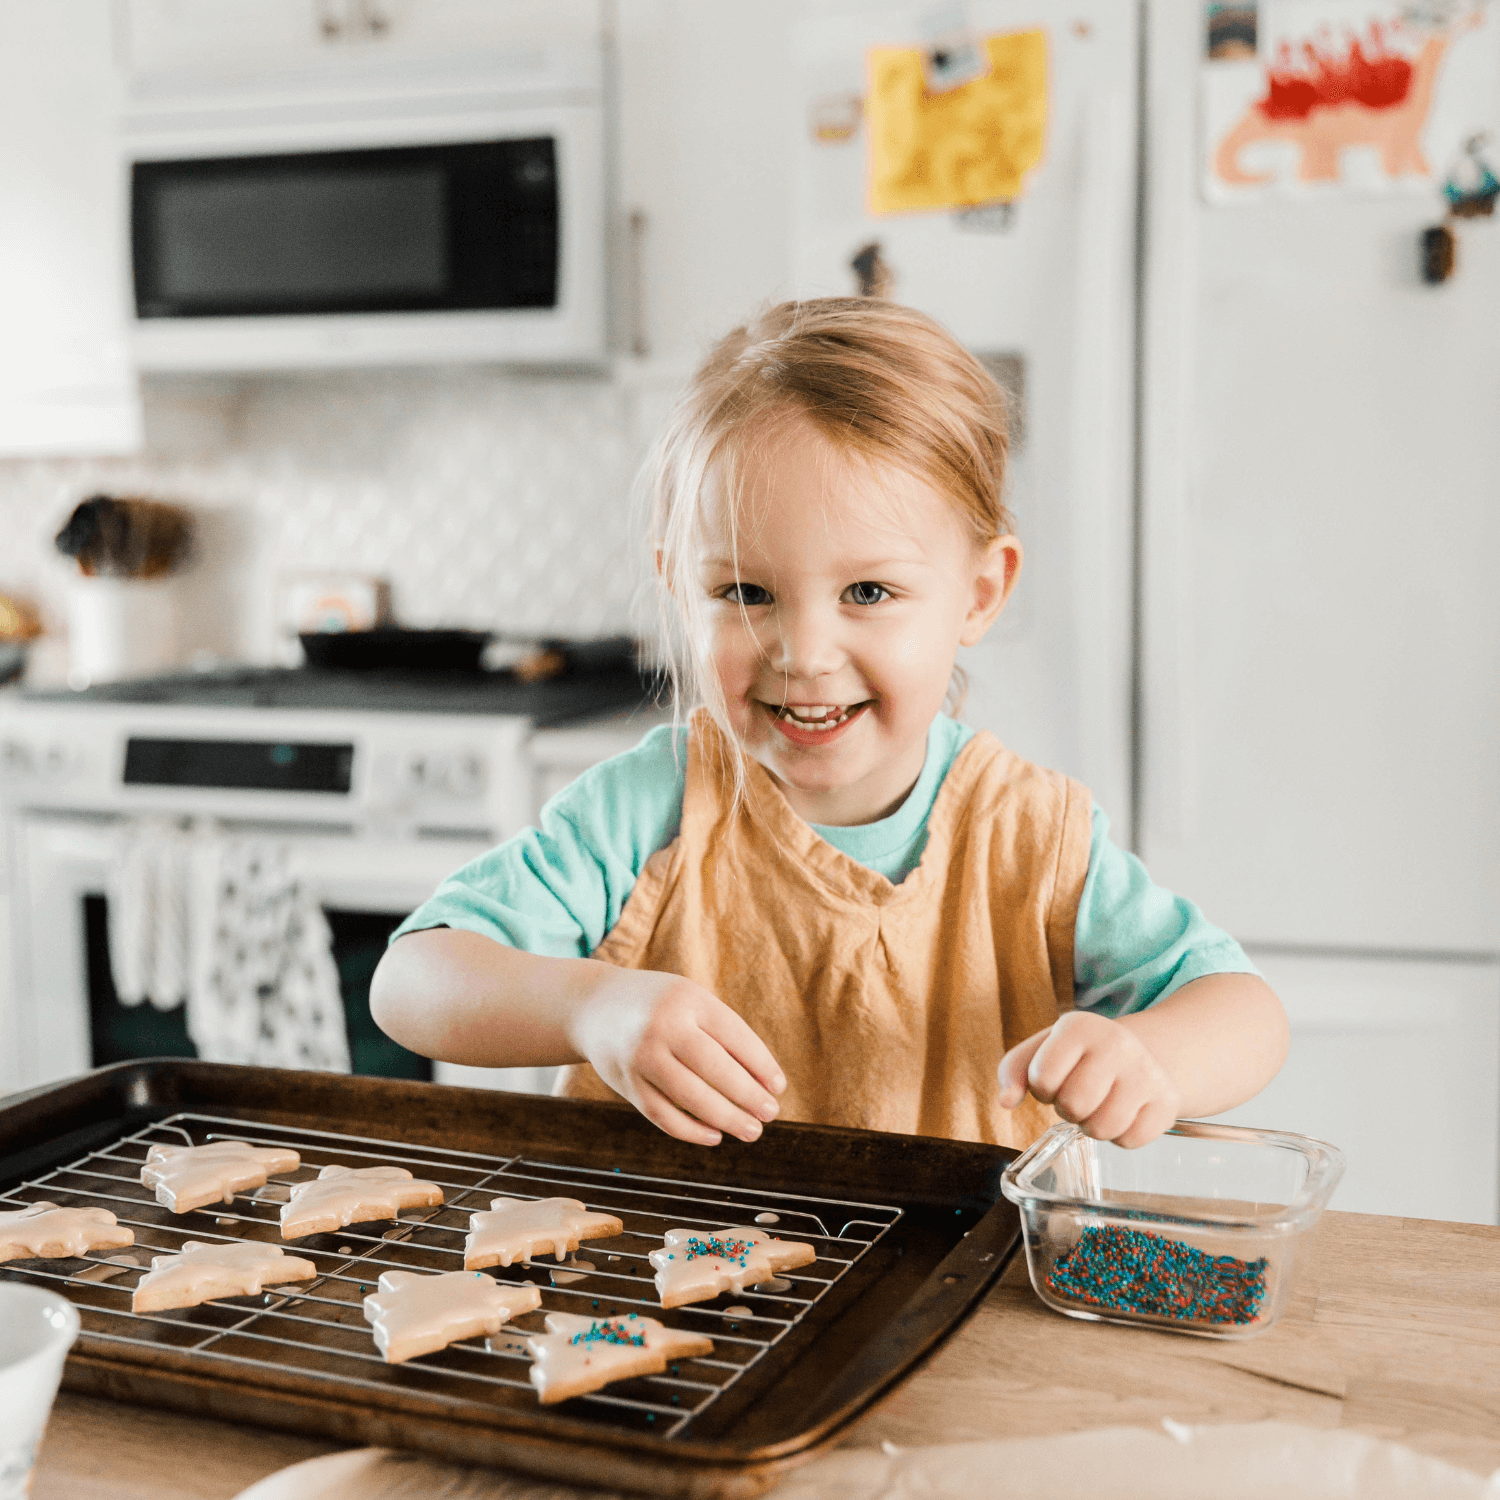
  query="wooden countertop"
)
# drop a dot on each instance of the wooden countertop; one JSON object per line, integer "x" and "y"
{"x": 1393, "y": 1330}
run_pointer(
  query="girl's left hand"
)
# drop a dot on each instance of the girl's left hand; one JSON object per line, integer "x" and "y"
{"x": 1096, "y": 1073}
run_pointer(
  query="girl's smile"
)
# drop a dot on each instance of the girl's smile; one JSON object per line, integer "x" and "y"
{"x": 838, "y": 592}
{"x": 814, "y": 724}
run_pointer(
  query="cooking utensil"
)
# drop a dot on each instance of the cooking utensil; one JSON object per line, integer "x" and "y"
{"x": 911, "y": 1231}
{"x": 126, "y": 537}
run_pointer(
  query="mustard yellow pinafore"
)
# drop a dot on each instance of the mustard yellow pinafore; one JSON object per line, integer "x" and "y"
{"x": 887, "y": 1006}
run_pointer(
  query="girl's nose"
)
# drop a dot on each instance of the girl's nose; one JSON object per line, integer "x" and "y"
{"x": 806, "y": 646}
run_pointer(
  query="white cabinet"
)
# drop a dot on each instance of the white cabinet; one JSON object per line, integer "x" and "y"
{"x": 1397, "y": 1063}
{"x": 211, "y": 36}
{"x": 66, "y": 384}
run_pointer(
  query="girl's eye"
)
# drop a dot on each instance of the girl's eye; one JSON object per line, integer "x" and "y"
{"x": 747, "y": 594}
{"x": 866, "y": 593}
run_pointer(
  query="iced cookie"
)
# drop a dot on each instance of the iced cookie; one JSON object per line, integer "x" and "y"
{"x": 414, "y": 1313}
{"x": 187, "y": 1177}
{"x": 202, "y": 1272}
{"x": 353, "y": 1195}
{"x": 45, "y": 1231}
{"x": 694, "y": 1264}
{"x": 516, "y": 1229}
{"x": 577, "y": 1354}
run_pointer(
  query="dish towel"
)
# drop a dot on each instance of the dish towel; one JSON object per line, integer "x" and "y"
{"x": 148, "y": 904}
{"x": 230, "y": 926}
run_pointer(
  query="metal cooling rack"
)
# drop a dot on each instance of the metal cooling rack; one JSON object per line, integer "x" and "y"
{"x": 318, "y": 1328}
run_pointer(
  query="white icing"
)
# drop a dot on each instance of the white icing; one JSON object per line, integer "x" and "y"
{"x": 413, "y": 1313}
{"x": 572, "y": 1357}
{"x": 187, "y": 1177}
{"x": 690, "y": 1266}
{"x": 516, "y": 1229}
{"x": 202, "y": 1272}
{"x": 339, "y": 1196}
{"x": 45, "y": 1231}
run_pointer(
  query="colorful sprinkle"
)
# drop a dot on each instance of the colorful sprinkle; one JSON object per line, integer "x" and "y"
{"x": 607, "y": 1332}
{"x": 736, "y": 1250}
{"x": 1128, "y": 1270}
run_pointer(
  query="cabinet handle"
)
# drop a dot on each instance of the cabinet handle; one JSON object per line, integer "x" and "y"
{"x": 640, "y": 338}
{"x": 330, "y": 21}
{"x": 343, "y": 20}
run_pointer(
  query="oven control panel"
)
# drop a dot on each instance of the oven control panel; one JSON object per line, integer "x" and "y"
{"x": 383, "y": 773}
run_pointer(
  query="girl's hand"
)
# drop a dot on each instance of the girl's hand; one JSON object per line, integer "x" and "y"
{"x": 1096, "y": 1073}
{"x": 680, "y": 1055}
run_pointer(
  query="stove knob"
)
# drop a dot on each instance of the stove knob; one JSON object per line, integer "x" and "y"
{"x": 417, "y": 772}
{"x": 15, "y": 758}
{"x": 466, "y": 777}
{"x": 56, "y": 760}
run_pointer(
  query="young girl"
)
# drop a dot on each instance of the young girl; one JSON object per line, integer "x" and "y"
{"x": 824, "y": 899}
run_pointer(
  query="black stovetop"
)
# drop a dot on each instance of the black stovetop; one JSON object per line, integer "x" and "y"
{"x": 574, "y": 696}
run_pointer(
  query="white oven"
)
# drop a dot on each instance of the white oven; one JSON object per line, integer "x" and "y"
{"x": 376, "y": 808}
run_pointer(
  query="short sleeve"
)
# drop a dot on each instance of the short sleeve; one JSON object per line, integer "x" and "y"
{"x": 1135, "y": 942}
{"x": 557, "y": 889}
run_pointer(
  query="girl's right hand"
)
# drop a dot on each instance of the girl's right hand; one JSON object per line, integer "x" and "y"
{"x": 680, "y": 1055}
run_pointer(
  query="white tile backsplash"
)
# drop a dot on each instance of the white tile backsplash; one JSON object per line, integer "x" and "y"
{"x": 490, "y": 499}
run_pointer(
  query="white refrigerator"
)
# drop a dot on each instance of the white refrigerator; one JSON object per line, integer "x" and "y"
{"x": 1257, "y": 489}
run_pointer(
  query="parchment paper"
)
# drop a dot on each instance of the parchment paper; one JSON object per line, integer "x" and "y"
{"x": 1247, "y": 1461}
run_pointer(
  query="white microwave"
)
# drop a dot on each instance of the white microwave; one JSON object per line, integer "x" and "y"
{"x": 372, "y": 219}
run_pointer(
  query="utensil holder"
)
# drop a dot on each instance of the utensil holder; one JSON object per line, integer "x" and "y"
{"x": 120, "y": 627}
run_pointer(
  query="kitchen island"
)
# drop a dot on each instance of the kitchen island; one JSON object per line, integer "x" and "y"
{"x": 1393, "y": 1330}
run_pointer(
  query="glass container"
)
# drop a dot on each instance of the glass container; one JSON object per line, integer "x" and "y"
{"x": 1199, "y": 1232}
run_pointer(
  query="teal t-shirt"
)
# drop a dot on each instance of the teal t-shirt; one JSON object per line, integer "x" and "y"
{"x": 558, "y": 889}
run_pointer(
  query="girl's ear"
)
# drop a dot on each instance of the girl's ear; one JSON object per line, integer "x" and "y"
{"x": 994, "y": 578}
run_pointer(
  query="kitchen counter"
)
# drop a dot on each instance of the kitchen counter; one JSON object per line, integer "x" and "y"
{"x": 1393, "y": 1331}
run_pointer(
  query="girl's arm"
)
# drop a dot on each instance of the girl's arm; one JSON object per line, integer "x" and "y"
{"x": 675, "y": 1051}
{"x": 1206, "y": 1047}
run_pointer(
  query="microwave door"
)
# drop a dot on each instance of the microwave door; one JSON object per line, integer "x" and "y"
{"x": 464, "y": 227}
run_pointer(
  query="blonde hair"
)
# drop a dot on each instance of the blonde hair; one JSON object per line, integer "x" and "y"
{"x": 881, "y": 382}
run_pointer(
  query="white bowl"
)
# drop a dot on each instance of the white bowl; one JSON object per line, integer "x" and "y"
{"x": 37, "y": 1328}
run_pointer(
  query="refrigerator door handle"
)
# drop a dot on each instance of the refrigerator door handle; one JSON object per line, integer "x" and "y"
{"x": 1168, "y": 811}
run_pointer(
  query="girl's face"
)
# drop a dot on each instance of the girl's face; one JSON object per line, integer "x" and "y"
{"x": 835, "y": 611}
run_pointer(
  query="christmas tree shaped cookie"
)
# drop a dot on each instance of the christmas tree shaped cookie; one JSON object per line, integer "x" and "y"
{"x": 45, "y": 1231}
{"x": 338, "y": 1196}
{"x": 202, "y": 1272}
{"x": 696, "y": 1264}
{"x": 516, "y": 1229}
{"x": 414, "y": 1313}
{"x": 187, "y": 1177}
{"x": 579, "y": 1354}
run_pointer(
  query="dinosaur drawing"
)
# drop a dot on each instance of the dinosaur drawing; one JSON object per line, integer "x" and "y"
{"x": 1365, "y": 94}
